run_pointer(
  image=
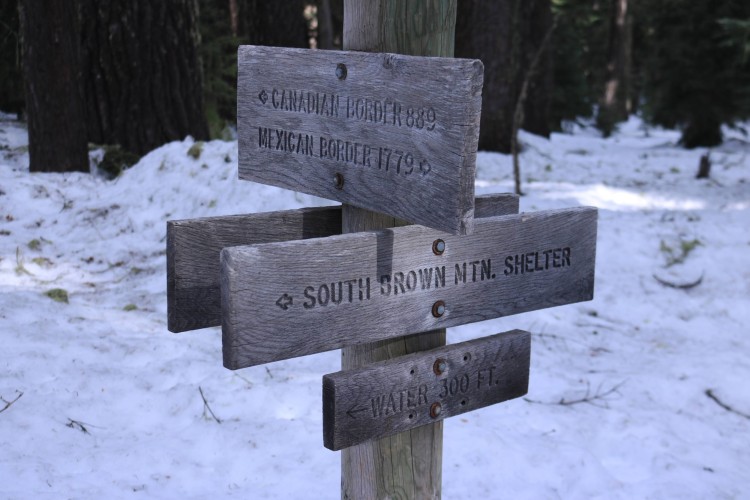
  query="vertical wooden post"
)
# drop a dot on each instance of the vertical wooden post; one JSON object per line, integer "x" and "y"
{"x": 407, "y": 465}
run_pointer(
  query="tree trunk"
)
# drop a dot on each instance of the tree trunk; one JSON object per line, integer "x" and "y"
{"x": 615, "y": 104}
{"x": 272, "y": 22}
{"x": 11, "y": 84}
{"x": 54, "y": 99}
{"x": 330, "y": 24}
{"x": 409, "y": 464}
{"x": 505, "y": 35}
{"x": 144, "y": 83}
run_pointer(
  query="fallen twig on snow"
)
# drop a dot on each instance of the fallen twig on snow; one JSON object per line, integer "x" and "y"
{"x": 728, "y": 408}
{"x": 592, "y": 399}
{"x": 679, "y": 286}
{"x": 8, "y": 404}
{"x": 75, "y": 424}
{"x": 207, "y": 407}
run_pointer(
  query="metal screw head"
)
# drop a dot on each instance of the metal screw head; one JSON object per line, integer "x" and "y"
{"x": 439, "y": 366}
{"x": 438, "y": 247}
{"x": 435, "y": 410}
{"x": 338, "y": 181}
{"x": 341, "y": 71}
{"x": 438, "y": 308}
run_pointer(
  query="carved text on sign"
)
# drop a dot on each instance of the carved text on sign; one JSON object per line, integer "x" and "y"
{"x": 392, "y": 396}
{"x": 358, "y": 289}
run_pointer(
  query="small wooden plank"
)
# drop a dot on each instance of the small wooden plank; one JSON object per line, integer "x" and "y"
{"x": 396, "y": 395}
{"x": 397, "y": 134}
{"x": 282, "y": 300}
{"x": 194, "y": 245}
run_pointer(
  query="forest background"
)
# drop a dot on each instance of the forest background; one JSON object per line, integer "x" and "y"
{"x": 131, "y": 76}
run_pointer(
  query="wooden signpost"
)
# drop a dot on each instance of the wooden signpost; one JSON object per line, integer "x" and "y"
{"x": 396, "y": 134}
{"x": 399, "y": 281}
{"x": 392, "y": 396}
{"x": 387, "y": 132}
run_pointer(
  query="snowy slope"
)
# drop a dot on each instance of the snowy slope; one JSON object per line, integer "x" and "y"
{"x": 111, "y": 404}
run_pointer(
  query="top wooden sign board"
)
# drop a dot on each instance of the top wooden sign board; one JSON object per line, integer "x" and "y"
{"x": 391, "y": 133}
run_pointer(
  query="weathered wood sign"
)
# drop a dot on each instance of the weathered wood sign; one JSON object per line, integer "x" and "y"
{"x": 393, "y": 396}
{"x": 391, "y": 133}
{"x": 282, "y": 300}
{"x": 194, "y": 247}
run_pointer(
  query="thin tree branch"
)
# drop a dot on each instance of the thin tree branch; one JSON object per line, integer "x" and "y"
{"x": 75, "y": 424}
{"x": 207, "y": 407}
{"x": 518, "y": 115}
{"x": 710, "y": 394}
{"x": 8, "y": 404}
{"x": 592, "y": 399}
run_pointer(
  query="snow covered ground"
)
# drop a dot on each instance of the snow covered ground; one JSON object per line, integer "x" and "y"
{"x": 106, "y": 403}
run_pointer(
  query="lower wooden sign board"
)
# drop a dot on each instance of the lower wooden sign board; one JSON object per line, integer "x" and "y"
{"x": 288, "y": 299}
{"x": 194, "y": 246}
{"x": 391, "y": 133}
{"x": 396, "y": 395}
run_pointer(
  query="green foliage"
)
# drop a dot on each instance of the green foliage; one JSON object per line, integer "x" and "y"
{"x": 678, "y": 255}
{"x": 219, "y": 55}
{"x": 34, "y": 244}
{"x": 195, "y": 150}
{"x": 579, "y": 55}
{"x": 130, "y": 307}
{"x": 57, "y": 294}
{"x": 116, "y": 160}
{"x": 697, "y": 74}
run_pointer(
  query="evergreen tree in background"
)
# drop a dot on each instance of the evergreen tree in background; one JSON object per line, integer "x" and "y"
{"x": 226, "y": 24}
{"x": 697, "y": 75}
{"x": 579, "y": 56}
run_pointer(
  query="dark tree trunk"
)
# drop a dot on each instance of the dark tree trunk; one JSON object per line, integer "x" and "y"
{"x": 143, "y": 72}
{"x": 615, "y": 104}
{"x": 11, "y": 83}
{"x": 539, "y": 100}
{"x": 505, "y": 35}
{"x": 330, "y": 24}
{"x": 54, "y": 99}
{"x": 273, "y": 22}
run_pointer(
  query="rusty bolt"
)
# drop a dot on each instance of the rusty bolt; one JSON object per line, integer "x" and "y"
{"x": 338, "y": 181}
{"x": 435, "y": 410}
{"x": 438, "y": 308}
{"x": 341, "y": 71}
{"x": 439, "y": 366}
{"x": 438, "y": 247}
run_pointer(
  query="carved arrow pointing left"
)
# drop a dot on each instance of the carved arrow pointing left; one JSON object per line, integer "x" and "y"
{"x": 285, "y": 301}
{"x": 354, "y": 410}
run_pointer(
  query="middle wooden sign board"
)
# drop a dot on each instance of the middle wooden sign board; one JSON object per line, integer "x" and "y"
{"x": 288, "y": 299}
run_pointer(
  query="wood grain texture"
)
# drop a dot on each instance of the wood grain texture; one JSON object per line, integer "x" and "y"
{"x": 400, "y": 131}
{"x": 408, "y": 464}
{"x": 194, "y": 246}
{"x": 288, "y": 299}
{"x": 399, "y": 394}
